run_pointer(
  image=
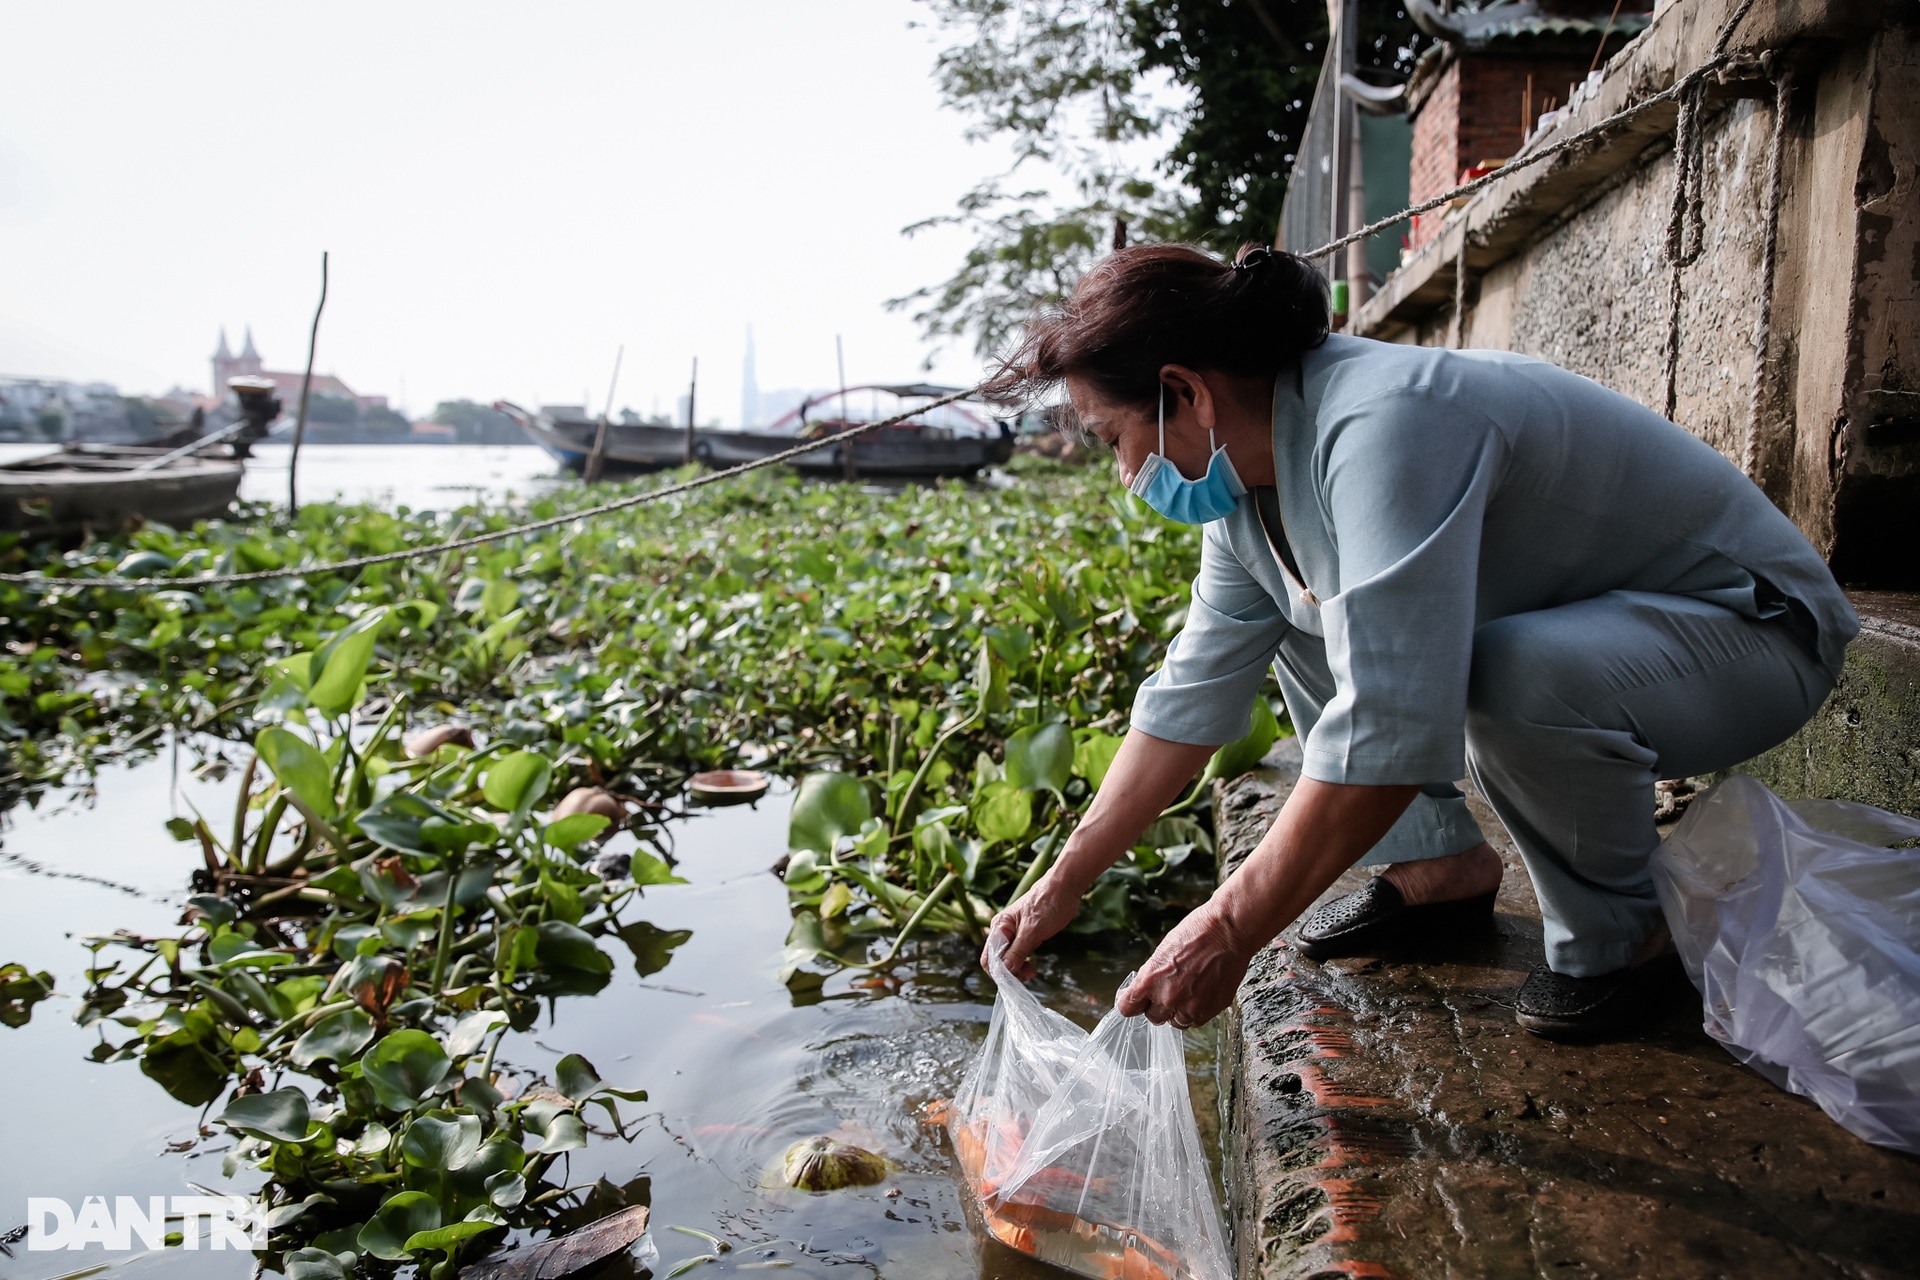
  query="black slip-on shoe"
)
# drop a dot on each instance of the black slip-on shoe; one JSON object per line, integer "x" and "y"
{"x": 1376, "y": 917}
{"x": 1558, "y": 1007}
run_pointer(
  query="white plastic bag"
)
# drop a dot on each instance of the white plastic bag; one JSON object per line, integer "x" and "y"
{"x": 1082, "y": 1149}
{"x": 1801, "y": 928}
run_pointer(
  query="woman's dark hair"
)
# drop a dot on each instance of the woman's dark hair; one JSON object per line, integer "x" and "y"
{"x": 1150, "y": 305}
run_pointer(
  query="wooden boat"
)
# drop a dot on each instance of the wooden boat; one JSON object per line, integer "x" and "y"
{"x": 950, "y": 441}
{"x": 568, "y": 435}
{"x": 98, "y": 489}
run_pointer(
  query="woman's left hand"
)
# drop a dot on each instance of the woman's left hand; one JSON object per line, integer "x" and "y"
{"x": 1192, "y": 975}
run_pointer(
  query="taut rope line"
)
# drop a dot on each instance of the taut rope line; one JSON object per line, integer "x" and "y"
{"x": 479, "y": 539}
{"x": 1685, "y": 90}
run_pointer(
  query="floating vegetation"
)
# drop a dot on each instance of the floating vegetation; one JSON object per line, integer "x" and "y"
{"x": 947, "y": 670}
{"x": 369, "y": 927}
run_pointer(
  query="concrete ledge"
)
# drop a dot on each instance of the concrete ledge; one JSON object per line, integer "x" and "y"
{"x": 1385, "y": 1118}
{"x": 1865, "y": 743}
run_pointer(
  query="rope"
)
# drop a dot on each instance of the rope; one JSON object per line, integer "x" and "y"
{"x": 1688, "y": 91}
{"x": 462, "y": 544}
{"x": 1769, "y": 254}
{"x": 1458, "y": 324}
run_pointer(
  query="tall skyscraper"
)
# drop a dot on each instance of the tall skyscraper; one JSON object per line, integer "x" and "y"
{"x": 749, "y": 388}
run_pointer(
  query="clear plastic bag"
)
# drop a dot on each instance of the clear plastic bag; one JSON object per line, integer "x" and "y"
{"x": 1082, "y": 1149}
{"x": 1801, "y": 928}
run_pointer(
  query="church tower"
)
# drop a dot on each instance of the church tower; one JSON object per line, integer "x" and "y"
{"x": 248, "y": 361}
{"x": 227, "y": 365}
{"x": 222, "y": 361}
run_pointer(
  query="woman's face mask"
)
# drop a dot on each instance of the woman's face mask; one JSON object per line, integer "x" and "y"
{"x": 1160, "y": 485}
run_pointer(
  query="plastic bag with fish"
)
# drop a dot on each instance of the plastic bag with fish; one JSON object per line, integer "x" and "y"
{"x": 1082, "y": 1149}
{"x": 1800, "y": 924}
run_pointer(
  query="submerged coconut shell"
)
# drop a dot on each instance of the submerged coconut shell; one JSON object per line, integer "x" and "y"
{"x": 428, "y": 741}
{"x": 822, "y": 1164}
{"x": 591, "y": 800}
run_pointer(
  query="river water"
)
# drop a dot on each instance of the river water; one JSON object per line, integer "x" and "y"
{"x": 738, "y": 1066}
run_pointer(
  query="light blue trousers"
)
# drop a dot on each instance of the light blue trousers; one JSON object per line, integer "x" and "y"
{"x": 1572, "y": 715}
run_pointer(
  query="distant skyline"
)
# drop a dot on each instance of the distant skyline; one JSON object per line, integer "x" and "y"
{"x": 508, "y": 193}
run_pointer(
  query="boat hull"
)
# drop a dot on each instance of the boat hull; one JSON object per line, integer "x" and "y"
{"x": 629, "y": 450}
{"x": 70, "y": 494}
{"x": 886, "y": 454}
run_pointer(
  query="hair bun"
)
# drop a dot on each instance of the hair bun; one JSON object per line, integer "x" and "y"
{"x": 1252, "y": 257}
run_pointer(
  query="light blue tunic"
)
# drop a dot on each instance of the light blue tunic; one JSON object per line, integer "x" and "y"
{"x": 1426, "y": 492}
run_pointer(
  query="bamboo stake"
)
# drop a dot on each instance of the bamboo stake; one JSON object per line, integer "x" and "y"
{"x": 306, "y": 386}
{"x": 597, "y": 459}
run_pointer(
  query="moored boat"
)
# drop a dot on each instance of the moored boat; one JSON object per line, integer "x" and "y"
{"x": 568, "y": 434}
{"x": 952, "y": 440}
{"x": 99, "y": 489}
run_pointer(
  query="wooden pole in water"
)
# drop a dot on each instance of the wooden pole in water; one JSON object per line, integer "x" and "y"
{"x": 306, "y": 385}
{"x": 840, "y": 358}
{"x": 693, "y": 385}
{"x": 597, "y": 459}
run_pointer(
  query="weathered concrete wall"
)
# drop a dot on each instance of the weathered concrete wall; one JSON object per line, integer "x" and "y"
{"x": 1865, "y": 743}
{"x": 1567, "y": 262}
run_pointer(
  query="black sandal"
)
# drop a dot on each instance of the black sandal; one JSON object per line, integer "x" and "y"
{"x": 1377, "y": 918}
{"x": 1559, "y": 1007}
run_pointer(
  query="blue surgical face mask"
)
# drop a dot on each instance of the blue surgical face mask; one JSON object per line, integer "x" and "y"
{"x": 1160, "y": 485}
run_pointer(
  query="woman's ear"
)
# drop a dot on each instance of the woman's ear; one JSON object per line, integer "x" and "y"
{"x": 1187, "y": 391}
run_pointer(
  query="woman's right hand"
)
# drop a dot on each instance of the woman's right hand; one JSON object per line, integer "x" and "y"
{"x": 1047, "y": 908}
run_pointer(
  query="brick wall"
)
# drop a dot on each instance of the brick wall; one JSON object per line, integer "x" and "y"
{"x": 1474, "y": 113}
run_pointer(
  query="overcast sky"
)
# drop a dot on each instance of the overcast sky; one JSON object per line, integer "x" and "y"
{"x": 509, "y": 193}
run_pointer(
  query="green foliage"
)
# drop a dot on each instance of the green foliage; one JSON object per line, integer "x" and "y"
{"x": 962, "y": 660}
{"x": 1068, "y": 83}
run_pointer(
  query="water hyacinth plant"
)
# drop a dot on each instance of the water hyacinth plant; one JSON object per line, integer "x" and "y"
{"x": 946, "y": 670}
{"x": 370, "y": 926}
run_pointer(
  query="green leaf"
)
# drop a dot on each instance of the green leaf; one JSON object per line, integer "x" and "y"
{"x": 318, "y": 1264}
{"x": 470, "y": 1032}
{"x": 574, "y": 830}
{"x": 279, "y": 1116}
{"x": 646, "y": 868}
{"x": 20, "y": 991}
{"x": 1093, "y": 755}
{"x": 340, "y": 668}
{"x": 828, "y": 806}
{"x": 299, "y": 766}
{"x": 1238, "y": 757}
{"x": 446, "y": 1239}
{"x": 338, "y": 1036}
{"x": 576, "y": 1079}
{"x": 651, "y": 945}
{"x": 565, "y": 1132}
{"x": 297, "y": 670}
{"x": 404, "y": 1067}
{"x": 516, "y": 783}
{"x": 400, "y": 820}
{"x": 805, "y": 940}
{"x": 396, "y": 1222}
{"x": 565, "y": 946}
{"x": 441, "y": 1141}
{"x": 1040, "y": 758}
{"x": 498, "y": 598}
{"x": 990, "y": 679}
{"x": 506, "y": 1190}
{"x": 1002, "y": 811}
